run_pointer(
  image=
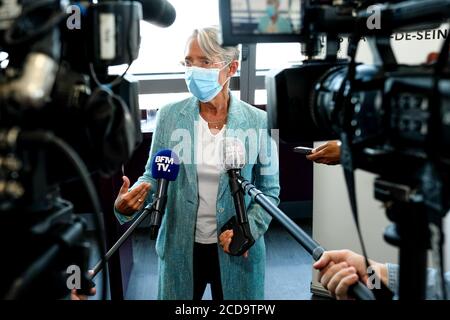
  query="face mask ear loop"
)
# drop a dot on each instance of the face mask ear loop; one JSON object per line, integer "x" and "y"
{"x": 229, "y": 78}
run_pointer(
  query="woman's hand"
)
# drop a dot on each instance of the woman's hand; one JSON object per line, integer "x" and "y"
{"x": 225, "y": 240}
{"x": 128, "y": 203}
{"x": 328, "y": 153}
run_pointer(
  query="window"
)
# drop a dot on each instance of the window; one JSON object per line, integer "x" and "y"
{"x": 274, "y": 56}
{"x": 162, "y": 49}
{"x": 277, "y": 55}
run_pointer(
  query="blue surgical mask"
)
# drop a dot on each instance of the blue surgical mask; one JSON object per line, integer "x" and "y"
{"x": 203, "y": 83}
{"x": 271, "y": 10}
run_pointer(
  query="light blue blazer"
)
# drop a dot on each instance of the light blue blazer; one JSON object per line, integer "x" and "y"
{"x": 242, "y": 278}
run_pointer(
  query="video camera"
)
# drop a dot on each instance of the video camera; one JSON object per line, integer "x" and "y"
{"x": 392, "y": 119}
{"x": 62, "y": 116}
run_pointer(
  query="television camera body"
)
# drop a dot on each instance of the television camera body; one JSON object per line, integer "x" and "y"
{"x": 62, "y": 116}
{"x": 392, "y": 119}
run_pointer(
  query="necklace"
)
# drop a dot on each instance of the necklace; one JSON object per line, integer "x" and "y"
{"x": 216, "y": 124}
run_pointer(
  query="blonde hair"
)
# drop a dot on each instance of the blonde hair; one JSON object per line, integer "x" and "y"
{"x": 209, "y": 41}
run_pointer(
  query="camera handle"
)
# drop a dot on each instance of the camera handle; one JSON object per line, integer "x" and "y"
{"x": 383, "y": 53}
{"x": 313, "y": 46}
{"x": 409, "y": 232}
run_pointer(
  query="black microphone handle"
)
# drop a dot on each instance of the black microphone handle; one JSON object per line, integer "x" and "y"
{"x": 100, "y": 264}
{"x": 159, "y": 207}
{"x": 238, "y": 196}
{"x": 359, "y": 290}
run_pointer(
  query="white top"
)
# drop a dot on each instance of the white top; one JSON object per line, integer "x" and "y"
{"x": 208, "y": 172}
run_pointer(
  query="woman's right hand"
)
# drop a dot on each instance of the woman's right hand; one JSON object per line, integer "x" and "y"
{"x": 128, "y": 202}
{"x": 225, "y": 239}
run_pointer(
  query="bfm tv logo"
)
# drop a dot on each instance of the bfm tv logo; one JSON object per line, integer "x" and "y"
{"x": 163, "y": 163}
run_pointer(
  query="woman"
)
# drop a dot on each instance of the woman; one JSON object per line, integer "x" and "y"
{"x": 192, "y": 252}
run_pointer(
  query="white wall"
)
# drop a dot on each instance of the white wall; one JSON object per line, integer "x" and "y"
{"x": 333, "y": 224}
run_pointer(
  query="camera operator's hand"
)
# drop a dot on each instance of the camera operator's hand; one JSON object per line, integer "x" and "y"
{"x": 74, "y": 295}
{"x": 328, "y": 153}
{"x": 341, "y": 269}
{"x": 225, "y": 240}
{"x": 128, "y": 202}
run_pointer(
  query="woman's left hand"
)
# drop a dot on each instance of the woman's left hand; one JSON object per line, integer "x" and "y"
{"x": 225, "y": 240}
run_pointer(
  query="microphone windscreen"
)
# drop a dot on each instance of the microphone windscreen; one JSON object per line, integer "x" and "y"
{"x": 231, "y": 153}
{"x": 158, "y": 12}
{"x": 165, "y": 165}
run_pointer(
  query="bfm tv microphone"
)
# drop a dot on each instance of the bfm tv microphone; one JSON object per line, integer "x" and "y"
{"x": 165, "y": 167}
{"x": 232, "y": 153}
{"x": 158, "y": 12}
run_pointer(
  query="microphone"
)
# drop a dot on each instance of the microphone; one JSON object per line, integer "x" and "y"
{"x": 158, "y": 12}
{"x": 165, "y": 167}
{"x": 358, "y": 290}
{"x": 232, "y": 159}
